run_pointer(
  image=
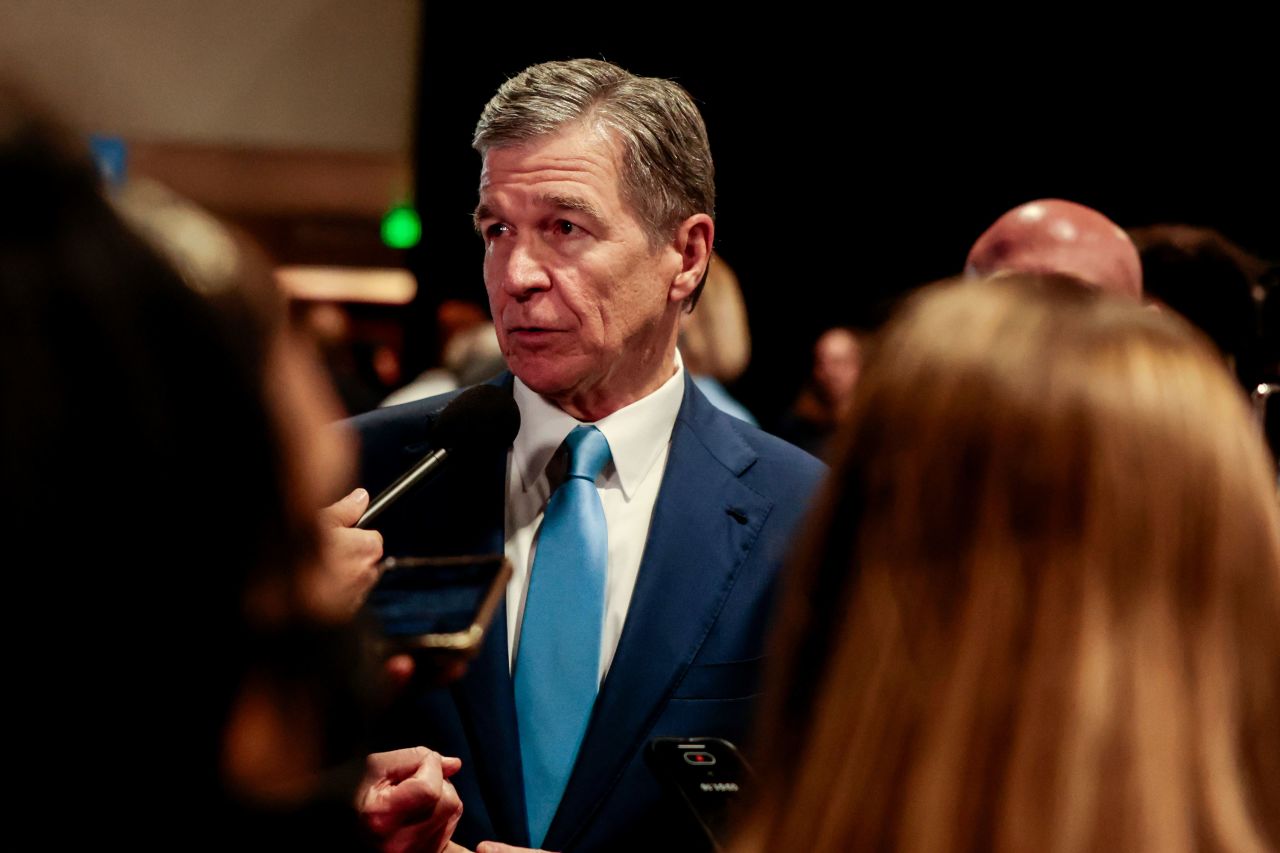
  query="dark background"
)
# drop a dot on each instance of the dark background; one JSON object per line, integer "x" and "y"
{"x": 856, "y": 160}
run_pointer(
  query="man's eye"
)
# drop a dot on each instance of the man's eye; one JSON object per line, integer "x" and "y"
{"x": 564, "y": 227}
{"x": 496, "y": 229}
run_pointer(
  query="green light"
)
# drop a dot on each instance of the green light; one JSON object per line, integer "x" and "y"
{"x": 401, "y": 227}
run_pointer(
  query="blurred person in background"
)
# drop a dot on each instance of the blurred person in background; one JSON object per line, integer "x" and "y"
{"x": 826, "y": 396}
{"x": 1214, "y": 284}
{"x": 1039, "y": 608}
{"x": 469, "y": 354}
{"x": 362, "y": 364}
{"x": 715, "y": 341}
{"x": 1057, "y": 237}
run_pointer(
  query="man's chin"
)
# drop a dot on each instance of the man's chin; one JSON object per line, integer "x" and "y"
{"x": 549, "y": 380}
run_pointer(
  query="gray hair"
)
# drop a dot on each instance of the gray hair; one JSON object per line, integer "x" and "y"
{"x": 666, "y": 168}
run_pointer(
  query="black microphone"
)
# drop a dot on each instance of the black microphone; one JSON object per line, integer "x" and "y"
{"x": 481, "y": 418}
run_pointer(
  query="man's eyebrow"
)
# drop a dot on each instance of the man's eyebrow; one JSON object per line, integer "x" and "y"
{"x": 553, "y": 200}
{"x": 571, "y": 202}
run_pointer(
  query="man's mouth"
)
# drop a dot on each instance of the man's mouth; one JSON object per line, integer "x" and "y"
{"x": 531, "y": 334}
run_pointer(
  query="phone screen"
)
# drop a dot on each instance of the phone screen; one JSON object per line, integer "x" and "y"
{"x": 421, "y": 598}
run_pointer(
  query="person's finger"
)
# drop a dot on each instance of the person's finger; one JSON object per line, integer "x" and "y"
{"x": 350, "y": 544}
{"x": 419, "y": 793}
{"x": 451, "y": 805}
{"x": 395, "y": 765}
{"x": 346, "y": 511}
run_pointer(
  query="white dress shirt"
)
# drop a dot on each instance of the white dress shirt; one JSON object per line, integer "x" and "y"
{"x": 639, "y": 438}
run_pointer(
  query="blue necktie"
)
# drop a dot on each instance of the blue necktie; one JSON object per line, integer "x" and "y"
{"x": 557, "y": 665}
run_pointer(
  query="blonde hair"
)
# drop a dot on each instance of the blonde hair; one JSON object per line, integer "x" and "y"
{"x": 1040, "y": 609}
{"x": 716, "y": 341}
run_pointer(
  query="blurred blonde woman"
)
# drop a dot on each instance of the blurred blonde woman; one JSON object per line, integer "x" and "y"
{"x": 1040, "y": 609}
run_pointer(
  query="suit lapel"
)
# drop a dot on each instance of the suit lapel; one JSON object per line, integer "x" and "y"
{"x": 704, "y": 524}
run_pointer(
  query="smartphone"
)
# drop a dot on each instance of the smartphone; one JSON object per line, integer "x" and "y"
{"x": 438, "y": 605}
{"x": 708, "y": 775}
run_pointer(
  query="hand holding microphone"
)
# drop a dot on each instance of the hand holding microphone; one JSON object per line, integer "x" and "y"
{"x": 479, "y": 419}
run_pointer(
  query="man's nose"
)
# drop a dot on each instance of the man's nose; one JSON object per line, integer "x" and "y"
{"x": 524, "y": 271}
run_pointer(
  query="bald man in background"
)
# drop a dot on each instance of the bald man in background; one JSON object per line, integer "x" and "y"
{"x": 1060, "y": 237}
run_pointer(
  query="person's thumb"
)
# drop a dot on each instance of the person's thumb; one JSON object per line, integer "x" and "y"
{"x": 347, "y": 511}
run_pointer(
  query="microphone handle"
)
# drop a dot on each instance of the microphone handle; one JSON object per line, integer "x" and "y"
{"x": 407, "y": 481}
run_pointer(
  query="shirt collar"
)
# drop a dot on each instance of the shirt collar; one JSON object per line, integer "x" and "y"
{"x": 636, "y": 433}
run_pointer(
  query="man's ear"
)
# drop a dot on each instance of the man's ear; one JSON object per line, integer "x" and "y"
{"x": 693, "y": 240}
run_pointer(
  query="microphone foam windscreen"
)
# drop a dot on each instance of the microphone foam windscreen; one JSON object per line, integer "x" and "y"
{"x": 481, "y": 417}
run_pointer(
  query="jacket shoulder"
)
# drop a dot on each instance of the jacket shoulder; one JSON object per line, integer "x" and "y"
{"x": 781, "y": 469}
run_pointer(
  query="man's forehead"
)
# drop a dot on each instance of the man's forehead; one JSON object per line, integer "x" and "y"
{"x": 578, "y": 146}
{"x": 575, "y": 169}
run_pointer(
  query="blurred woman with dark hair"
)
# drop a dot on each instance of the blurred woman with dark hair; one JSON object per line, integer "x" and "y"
{"x": 165, "y": 449}
{"x": 1041, "y": 607}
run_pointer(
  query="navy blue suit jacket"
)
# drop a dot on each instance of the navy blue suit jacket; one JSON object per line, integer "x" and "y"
{"x": 689, "y": 659}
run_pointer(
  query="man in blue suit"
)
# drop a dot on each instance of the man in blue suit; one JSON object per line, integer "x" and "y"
{"x": 645, "y": 527}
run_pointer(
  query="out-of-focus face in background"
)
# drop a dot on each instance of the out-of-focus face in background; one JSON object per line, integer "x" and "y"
{"x": 837, "y": 359}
